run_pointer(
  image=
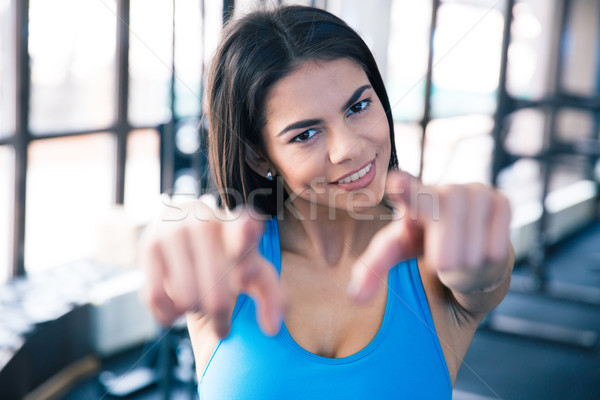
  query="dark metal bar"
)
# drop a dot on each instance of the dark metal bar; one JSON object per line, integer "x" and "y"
{"x": 202, "y": 55}
{"x": 172, "y": 97}
{"x": 559, "y": 100}
{"x": 54, "y": 135}
{"x": 9, "y": 140}
{"x": 122, "y": 123}
{"x": 585, "y": 147}
{"x": 167, "y": 178}
{"x": 503, "y": 102}
{"x": 21, "y": 138}
{"x": 112, "y": 128}
{"x": 428, "y": 77}
{"x": 537, "y": 255}
{"x": 203, "y": 171}
{"x": 596, "y": 132}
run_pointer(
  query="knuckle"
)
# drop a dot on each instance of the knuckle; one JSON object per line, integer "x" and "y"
{"x": 180, "y": 234}
{"x": 250, "y": 228}
{"x": 153, "y": 299}
{"x": 248, "y": 274}
{"x": 457, "y": 194}
{"x": 211, "y": 226}
{"x": 452, "y": 198}
{"x": 150, "y": 250}
{"x": 480, "y": 201}
{"x": 504, "y": 204}
{"x": 183, "y": 299}
{"x": 216, "y": 305}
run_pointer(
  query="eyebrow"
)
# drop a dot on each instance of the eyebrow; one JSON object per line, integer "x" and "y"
{"x": 306, "y": 123}
{"x": 355, "y": 96}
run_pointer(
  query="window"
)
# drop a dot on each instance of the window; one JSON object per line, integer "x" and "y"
{"x": 189, "y": 60}
{"x": 142, "y": 179}
{"x": 7, "y": 69}
{"x": 6, "y": 201}
{"x": 150, "y": 61}
{"x": 408, "y": 146}
{"x": 530, "y": 49}
{"x": 87, "y": 138}
{"x": 69, "y": 188}
{"x": 582, "y": 77}
{"x": 466, "y": 63}
{"x": 458, "y": 150}
{"x": 72, "y": 48}
{"x": 407, "y": 58}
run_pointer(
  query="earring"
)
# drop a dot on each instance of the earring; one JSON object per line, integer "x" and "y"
{"x": 269, "y": 175}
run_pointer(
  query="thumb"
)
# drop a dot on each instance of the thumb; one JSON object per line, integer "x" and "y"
{"x": 400, "y": 188}
{"x": 417, "y": 203}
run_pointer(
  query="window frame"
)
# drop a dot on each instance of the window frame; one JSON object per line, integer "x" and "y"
{"x": 22, "y": 136}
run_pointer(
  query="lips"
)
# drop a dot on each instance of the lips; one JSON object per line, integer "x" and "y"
{"x": 356, "y": 174}
{"x": 354, "y": 181}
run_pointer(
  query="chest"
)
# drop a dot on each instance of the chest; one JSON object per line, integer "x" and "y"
{"x": 322, "y": 318}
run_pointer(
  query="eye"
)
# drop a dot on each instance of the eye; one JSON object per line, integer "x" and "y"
{"x": 305, "y": 136}
{"x": 359, "y": 107}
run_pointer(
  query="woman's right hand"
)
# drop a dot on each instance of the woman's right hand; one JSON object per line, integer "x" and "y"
{"x": 197, "y": 259}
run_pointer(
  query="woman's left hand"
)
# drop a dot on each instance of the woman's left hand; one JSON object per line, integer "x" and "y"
{"x": 462, "y": 232}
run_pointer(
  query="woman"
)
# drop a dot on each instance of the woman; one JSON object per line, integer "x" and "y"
{"x": 360, "y": 282}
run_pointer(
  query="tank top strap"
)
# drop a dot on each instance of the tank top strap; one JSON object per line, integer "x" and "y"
{"x": 269, "y": 244}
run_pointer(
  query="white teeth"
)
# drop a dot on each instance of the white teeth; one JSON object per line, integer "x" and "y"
{"x": 356, "y": 175}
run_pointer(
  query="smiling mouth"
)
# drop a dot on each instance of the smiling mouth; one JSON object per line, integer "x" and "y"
{"x": 357, "y": 175}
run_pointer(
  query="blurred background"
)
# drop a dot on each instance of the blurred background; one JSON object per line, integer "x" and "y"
{"x": 100, "y": 109}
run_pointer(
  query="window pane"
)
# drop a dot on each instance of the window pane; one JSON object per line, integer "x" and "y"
{"x": 6, "y": 206}
{"x": 7, "y": 68}
{"x": 69, "y": 187}
{"x": 408, "y": 146}
{"x": 522, "y": 182}
{"x": 526, "y": 127}
{"x": 581, "y": 63}
{"x": 407, "y": 58}
{"x": 530, "y": 48}
{"x": 188, "y": 57}
{"x": 525, "y": 134}
{"x": 573, "y": 124}
{"x": 466, "y": 64}
{"x": 142, "y": 180}
{"x": 72, "y": 47}
{"x": 458, "y": 150}
{"x": 150, "y": 59}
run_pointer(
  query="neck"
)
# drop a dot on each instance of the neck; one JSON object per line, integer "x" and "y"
{"x": 329, "y": 234}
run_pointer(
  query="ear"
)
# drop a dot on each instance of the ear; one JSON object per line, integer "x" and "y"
{"x": 257, "y": 161}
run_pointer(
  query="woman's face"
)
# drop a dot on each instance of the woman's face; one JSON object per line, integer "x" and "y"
{"x": 327, "y": 136}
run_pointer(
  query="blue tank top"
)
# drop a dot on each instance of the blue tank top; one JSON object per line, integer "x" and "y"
{"x": 403, "y": 361}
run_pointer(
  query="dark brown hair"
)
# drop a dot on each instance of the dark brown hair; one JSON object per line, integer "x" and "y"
{"x": 255, "y": 52}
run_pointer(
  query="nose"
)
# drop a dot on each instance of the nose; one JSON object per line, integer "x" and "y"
{"x": 344, "y": 144}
